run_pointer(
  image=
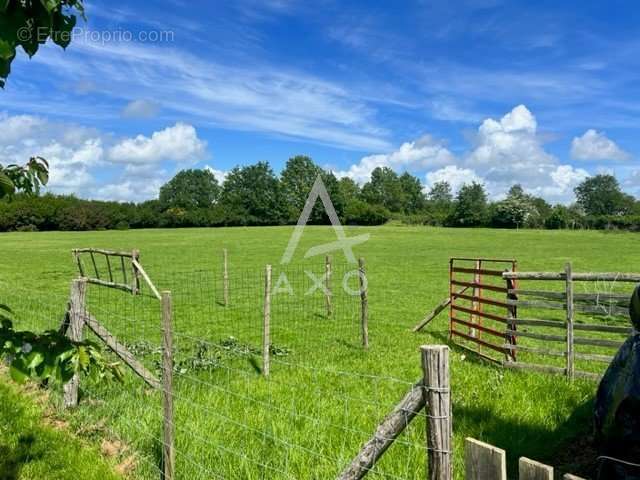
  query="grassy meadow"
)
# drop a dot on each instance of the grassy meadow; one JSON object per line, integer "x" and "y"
{"x": 325, "y": 394}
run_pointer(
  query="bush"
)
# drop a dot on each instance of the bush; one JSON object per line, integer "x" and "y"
{"x": 362, "y": 213}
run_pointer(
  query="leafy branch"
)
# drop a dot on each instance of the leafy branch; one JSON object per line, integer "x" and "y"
{"x": 25, "y": 178}
{"x": 30, "y": 23}
{"x": 51, "y": 356}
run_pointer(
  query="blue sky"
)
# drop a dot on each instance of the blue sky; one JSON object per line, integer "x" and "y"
{"x": 539, "y": 93}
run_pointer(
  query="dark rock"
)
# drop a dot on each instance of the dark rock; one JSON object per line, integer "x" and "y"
{"x": 617, "y": 408}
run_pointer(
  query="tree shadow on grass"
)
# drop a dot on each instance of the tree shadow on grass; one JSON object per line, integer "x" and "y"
{"x": 568, "y": 448}
{"x": 12, "y": 460}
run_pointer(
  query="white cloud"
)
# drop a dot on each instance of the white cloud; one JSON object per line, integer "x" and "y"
{"x": 92, "y": 164}
{"x": 219, "y": 174}
{"x": 454, "y": 175}
{"x": 595, "y": 145}
{"x": 179, "y": 143}
{"x": 509, "y": 151}
{"x": 129, "y": 190}
{"x": 17, "y": 127}
{"x": 505, "y": 151}
{"x": 422, "y": 154}
{"x": 248, "y": 95}
{"x": 511, "y": 139}
{"x": 141, "y": 109}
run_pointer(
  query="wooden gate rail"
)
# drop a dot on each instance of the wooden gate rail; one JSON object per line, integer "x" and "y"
{"x": 608, "y": 303}
{"x": 135, "y": 267}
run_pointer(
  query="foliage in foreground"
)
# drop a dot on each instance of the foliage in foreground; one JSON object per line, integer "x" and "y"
{"x": 51, "y": 356}
{"x": 30, "y": 23}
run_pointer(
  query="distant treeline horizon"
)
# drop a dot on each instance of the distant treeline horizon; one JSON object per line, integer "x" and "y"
{"x": 255, "y": 195}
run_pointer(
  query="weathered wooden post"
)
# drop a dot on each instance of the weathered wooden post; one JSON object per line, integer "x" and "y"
{"x": 168, "y": 450}
{"x": 327, "y": 284}
{"x": 364, "y": 303}
{"x": 266, "y": 320}
{"x": 531, "y": 470}
{"x": 569, "y": 308}
{"x": 483, "y": 461}
{"x": 75, "y": 332}
{"x": 135, "y": 280}
{"x": 225, "y": 277}
{"x": 435, "y": 366}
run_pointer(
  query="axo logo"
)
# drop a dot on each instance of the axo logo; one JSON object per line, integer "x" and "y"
{"x": 342, "y": 243}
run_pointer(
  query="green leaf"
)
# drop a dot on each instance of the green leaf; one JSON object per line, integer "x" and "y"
{"x": 18, "y": 371}
{"x": 34, "y": 359}
{"x": 6, "y": 185}
{"x": 50, "y": 5}
{"x": 83, "y": 358}
{"x": 7, "y": 50}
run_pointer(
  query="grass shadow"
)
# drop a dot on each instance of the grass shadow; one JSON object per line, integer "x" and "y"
{"x": 568, "y": 448}
{"x": 12, "y": 460}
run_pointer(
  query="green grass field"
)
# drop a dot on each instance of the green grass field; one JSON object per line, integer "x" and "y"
{"x": 325, "y": 394}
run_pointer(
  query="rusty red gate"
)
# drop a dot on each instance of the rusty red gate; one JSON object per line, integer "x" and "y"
{"x": 480, "y": 309}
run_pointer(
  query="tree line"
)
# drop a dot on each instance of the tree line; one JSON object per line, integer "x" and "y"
{"x": 255, "y": 195}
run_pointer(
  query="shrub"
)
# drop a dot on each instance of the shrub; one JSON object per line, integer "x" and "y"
{"x": 362, "y": 213}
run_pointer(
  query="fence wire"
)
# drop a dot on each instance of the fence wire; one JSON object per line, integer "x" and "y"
{"x": 321, "y": 402}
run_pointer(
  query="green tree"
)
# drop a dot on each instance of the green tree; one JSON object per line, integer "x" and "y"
{"x": 384, "y": 189}
{"x": 30, "y": 23}
{"x": 190, "y": 189}
{"x": 440, "y": 192}
{"x": 349, "y": 190}
{"x": 517, "y": 210}
{"x": 512, "y": 212}
{"x": 439, "y": 203}
{"x": 601, "y": 195}
{"x": 252, "y": 195}
{"x": 413, "y": 196}
{"x": 297, "y": 178}
{"x": 470, "y": 208}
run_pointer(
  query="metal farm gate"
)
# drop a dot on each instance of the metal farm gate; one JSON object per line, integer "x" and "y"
{"x": 480, "y": 309}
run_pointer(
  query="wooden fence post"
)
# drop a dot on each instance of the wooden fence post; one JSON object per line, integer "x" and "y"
{"x": 483, "y": 461}
{"x": 569, "y": 308}
{"x": 364, "y": 303}
{"x": 266, "y": 320}
{"x": 327, "y": 280}
{"x": 386, "y": 433}
{"x": 168, "y": 448}
{"x": 75, "y": 332}
{"x": 435, "y": 366}
{"x": 225, "y": 277}
{"x": 531, "y": 470}
{"x": 135, "y": 281}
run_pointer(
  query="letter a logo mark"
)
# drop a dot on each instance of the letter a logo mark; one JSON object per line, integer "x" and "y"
{"x": 343, "y": 242}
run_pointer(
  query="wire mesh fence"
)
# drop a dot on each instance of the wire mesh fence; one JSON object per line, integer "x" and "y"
{"x": 321, "y": 402}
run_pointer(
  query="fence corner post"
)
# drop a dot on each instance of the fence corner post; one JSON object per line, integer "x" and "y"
{"x": 168, "y": 447}
{"x": 266, "y": 320}
{"x": 75, "y": 332}
{"x": 364, "y": 302}
{"x": 435, "y": 366}
{"x": 570, "y": 367}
